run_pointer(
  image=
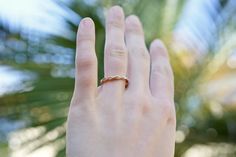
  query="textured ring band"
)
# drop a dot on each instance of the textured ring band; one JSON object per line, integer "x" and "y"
{"x": 114, "y": 78}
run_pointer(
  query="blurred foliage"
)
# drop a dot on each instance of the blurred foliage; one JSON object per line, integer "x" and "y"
{"x": 51, "y": 57}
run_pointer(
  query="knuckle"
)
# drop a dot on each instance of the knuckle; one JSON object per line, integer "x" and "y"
{"x": 135, "y": 29}
{"x": 141, "y": 99}
{"x": 115, "y": 23}
{"x": 85, "y": 63}
{"x": 84, "y": 38}
{"x": 162, "y": 69}
{"x": 167, "y": 109}
{"x": 117, "y": 51}
{"x": 141, "y": 52}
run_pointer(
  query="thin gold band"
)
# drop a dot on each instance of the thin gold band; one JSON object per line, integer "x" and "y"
{"x": 114, "y": 78}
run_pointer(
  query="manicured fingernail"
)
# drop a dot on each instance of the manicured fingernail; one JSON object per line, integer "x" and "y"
{"x": 86, "y": 22}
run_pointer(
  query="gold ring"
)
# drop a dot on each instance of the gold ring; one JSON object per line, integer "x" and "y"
{"x": 114, "y": 78}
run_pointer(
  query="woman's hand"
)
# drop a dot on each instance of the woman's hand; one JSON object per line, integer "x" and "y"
{"x": 114, "y": 121}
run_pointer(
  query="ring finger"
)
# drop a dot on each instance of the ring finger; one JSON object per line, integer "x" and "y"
{"x": 115, "y": 57}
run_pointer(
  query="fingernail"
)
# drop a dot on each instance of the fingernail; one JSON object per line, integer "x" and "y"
{"x": 160, "y": 47}
{"x": 133, "y": 20}
{"x": 116, "y": 12}
{"x": 86, "y": 22}
{"x": 158, "y": 43}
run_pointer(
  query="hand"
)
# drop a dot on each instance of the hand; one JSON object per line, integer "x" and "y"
{"x": 114, "y": 121}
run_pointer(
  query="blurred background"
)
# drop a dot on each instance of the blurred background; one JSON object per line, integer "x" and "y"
{"x": 37, "y": 47}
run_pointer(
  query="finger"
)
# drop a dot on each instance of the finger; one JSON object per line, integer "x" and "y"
{"x": 115, "y": 51}
{"x": 161, "y": 80}
{"x": 86, "y": 61}
{"x": 139, "y": 59}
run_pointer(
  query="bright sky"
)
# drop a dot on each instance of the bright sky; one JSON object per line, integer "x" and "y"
{"x": 11, "y": 80}
{"x": 36, "y": 14}
{"x": 33, "y": 14}
{"x": 194, "y": 24}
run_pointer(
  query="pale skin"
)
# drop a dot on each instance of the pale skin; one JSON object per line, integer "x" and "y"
{"x": 114, "y": 121}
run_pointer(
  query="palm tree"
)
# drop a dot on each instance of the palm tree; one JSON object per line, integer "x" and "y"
{"x": 44, "y": 107}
